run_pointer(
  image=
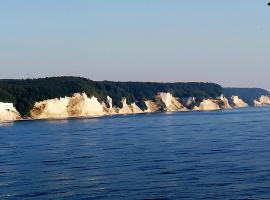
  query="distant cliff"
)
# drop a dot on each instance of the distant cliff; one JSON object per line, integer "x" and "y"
{"x": 247, "y": 94}
{"x": 24, "y": 94}
{"x": 65, "y": 97}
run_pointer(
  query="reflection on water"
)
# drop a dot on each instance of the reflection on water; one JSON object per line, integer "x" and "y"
{"x": 7, "y": 123}
{"x": 202, "y": 155}
{"x": 58, "y": 121}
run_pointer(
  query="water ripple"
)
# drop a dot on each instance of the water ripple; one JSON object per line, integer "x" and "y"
{"x": 212, "y": 155}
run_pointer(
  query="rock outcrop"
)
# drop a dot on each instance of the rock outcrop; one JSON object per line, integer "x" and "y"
{"x": 129, "y": 109}
{"x": 189, "y": 103}
{"x": 170, "y": 102}
{"x": 224, "y": 103}
{"x": 79, "y": 105}
{"x": 110, "y": 110}
{"x": 238, "y": 103}
{"x": 213, "y": 104}
{"x": 135, "y": 108}
{"x": 8, "y": 112}
{"x": 262, "y": 101}
{"x": 207, "y": 104}
{"x": 151, "y": 106}
{"x": 125, "y": 107}
{"x": 52, "y": 108}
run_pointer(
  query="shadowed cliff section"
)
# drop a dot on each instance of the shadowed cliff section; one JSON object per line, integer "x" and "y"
{"x": 247, "y": 94}
{"x": 24, "y": 93}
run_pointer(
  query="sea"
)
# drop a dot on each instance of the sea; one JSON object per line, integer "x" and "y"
{"x": 185, "y": 155}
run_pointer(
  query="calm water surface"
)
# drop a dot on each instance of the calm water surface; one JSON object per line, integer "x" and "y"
{"x": 194, "y": 155}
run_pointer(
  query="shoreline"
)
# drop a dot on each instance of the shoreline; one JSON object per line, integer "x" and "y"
{"x": 130, "y": 114}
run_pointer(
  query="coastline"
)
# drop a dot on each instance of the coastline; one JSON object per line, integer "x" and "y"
{"x": 74, "y": 97}
{"x": 131, "y": 114}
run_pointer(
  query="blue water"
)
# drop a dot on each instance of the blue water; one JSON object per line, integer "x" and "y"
{"x": 193, "y": 155}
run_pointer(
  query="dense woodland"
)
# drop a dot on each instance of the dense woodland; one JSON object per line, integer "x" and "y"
{"x": 24, "y": 93}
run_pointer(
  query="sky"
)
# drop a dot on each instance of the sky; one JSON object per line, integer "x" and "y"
{"x": 226, "y": 42}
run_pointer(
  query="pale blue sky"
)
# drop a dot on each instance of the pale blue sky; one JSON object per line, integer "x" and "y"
{"x": 223, "y": 41}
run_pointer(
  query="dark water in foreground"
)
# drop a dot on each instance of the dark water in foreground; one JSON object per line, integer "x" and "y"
{"x": 207, "y": 155}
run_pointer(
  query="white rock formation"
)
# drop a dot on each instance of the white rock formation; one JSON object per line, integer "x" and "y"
{"x": 125, "y": 108}
{"x": 189, "y": 102}
{"x": 8, "y": 112}
{"x": 224, "y": 103}
{"x": 135, "y": 108}
{"x": 170, "y": 102}
{"x": 262, "y": 101}
{"x": 79, "y": 105}
{"x": 207, "y": 104}
{"x": 52, "y": 108}
{"x": 109, "y": 100}
{"x": 129, "y": 109}
{"x": 151, "y": 106}
{"x": 238, "y": 103}
{"x": 110, "y": 110}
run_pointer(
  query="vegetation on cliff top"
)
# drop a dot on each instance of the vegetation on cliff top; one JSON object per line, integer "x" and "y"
{"x": 24, "y": 93}
{"x": 248, "y": 95}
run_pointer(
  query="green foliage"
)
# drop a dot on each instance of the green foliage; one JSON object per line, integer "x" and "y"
{"x": 24, "y": 93}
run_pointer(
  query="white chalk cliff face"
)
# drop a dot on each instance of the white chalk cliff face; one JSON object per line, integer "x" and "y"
{"x": 214, "y": 104}
{"x": 52, "y": 108}
{"x": 129, "y": 109}
{"x": 170, "y": 102}
{"x": 125, "y": 108}
{"x": 224, "y": 103}
{"x": 110, "y": 110}
{"x": 79, "y": 105}
{"x": 8, "y": 112}
{"x": 135, "y": 108}
{"x": 207, "y": 104}
{"x": 238, "y": 103}
{"x": 151, "y": 106}
{"x": 262, "y": 101}
{"x": 109, "y": 100}
{"x": 190, "y": 102}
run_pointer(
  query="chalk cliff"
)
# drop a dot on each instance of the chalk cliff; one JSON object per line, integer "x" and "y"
{"x": 8, "y": 112}
{"x": 224, "y": 103}
{"x": 52, "y": 108}
{"x": 129, "y": 109}
{"x": 207, "y": 104}
{"x": 189, "y": 103}
{"x": 30, "y": 91}
{"x": 262, "y": 101}
{"x": 110, "y": 110}
{"x": 125, "y": 108}
{"x": 151, "y": 106}
{"x": 79, "y": 105}
{"x": 135, "y": 108}
{"x": 238, "y": 103}
{"x": 214, "y": 104}
{"x": 170, "y": 102}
